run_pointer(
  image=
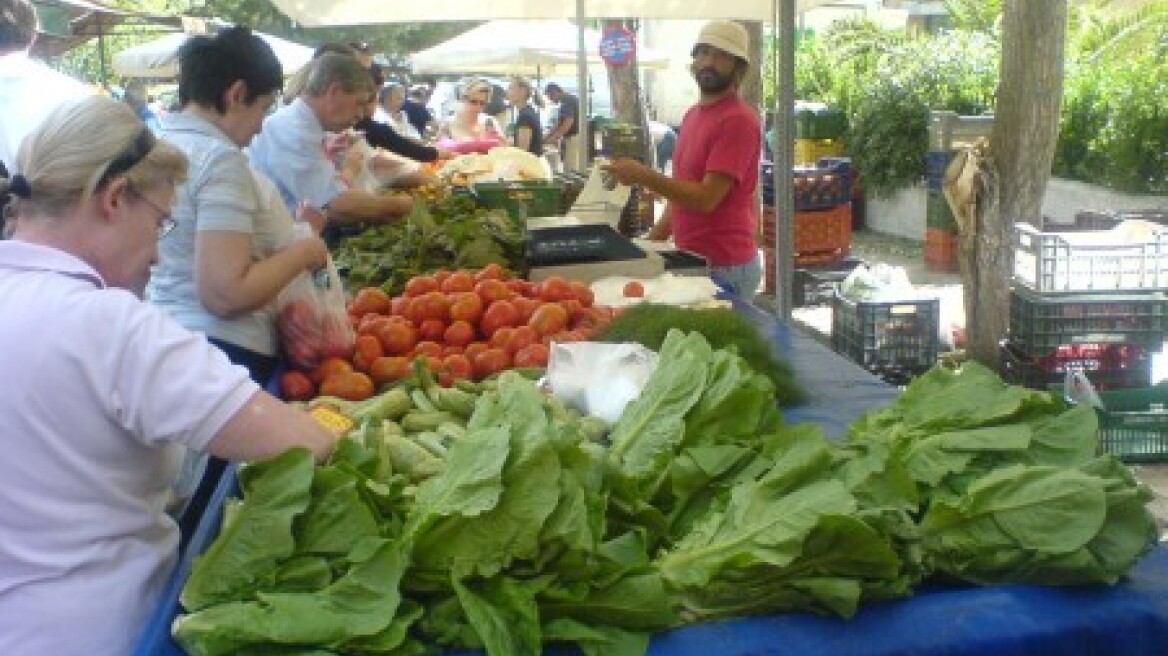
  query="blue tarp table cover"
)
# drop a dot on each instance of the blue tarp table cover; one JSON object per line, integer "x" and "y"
{"x": 1130, "y": 619}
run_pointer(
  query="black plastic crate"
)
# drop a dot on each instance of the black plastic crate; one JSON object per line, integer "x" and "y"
{"x": 817, "y": 286}
{"x": 887, "y": 335}
{"x": 1133, "y": 424}
{"x": 1107, "y": 366}
{"x": 1039, "y": 323}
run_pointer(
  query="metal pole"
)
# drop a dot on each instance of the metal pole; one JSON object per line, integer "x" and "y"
{"x": 784, "y": 155}
{"x": 583, "y": 112}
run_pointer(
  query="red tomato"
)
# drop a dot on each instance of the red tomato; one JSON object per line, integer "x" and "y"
{"x": 474, "y": 348}
{"x": 460, "y": 333}
{"x": 450, "y": 350}
{"x": 296, "y": 386}
{"x": 489, "y": 362}
{"x": 370, "y": 299}
{"x": 441, "y": 276}
{"x": 549, "y": 319}
{"x": 532, "y": 355}
{"x": 419, "y": 285}
{"x": 467, "y": 307}
{"x": 397, "y": 306}
{"x": 398, "y": 338}
{"x": 434, "y": 305}
{"x": 329, "y": 367}
{"x": 500, "y": 338}
{"x": 429, "y": 349}
{"x": 389, "y": 369}
{"x": 526, "y": 307}
{"x": 458, "y": 367}
{"x": 368, "y": 348}
{"x": 351, "y": 386}
{"x": 459, "y": 281}
{"x": 493, "y": 271}
{"x": 573, "y": 307}
{"x": 493, "y": 290}
{"x": 634, "y": 289}
{"x": 432, "y": 330}
{"x": 521, "y": 337}
{"x": 582, "y": 293}
{"x": 555, "y": 288}
{"x": 499, "y": 314}
{"x": 370, "y": 323}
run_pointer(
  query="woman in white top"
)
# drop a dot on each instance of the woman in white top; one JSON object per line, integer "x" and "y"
{"x": 470, "y": 121}
{"x": 104, "y": 390}
{"x": 389, "y": 111}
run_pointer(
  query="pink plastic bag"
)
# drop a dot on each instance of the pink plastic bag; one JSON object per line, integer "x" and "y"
{"x": 465, "y": 147}
{"x": 313, "y": 322}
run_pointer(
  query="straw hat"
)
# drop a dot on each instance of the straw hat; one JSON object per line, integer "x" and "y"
{"x": 728, "y": 36}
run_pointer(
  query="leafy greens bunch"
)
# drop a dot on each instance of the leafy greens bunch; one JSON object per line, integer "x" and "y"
{"x": 701, "y": 504}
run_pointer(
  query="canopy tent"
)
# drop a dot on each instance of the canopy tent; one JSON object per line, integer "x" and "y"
{"x": 320, "y": 13}
{"x": 159, "y": 58}
{"x": 527, "y": 47}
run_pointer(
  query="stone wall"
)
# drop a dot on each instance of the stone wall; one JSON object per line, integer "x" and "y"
{"x": 903, "y": 214}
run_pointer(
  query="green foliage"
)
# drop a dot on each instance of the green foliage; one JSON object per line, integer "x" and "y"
{"x": 974, "y": 15}
{"x": 889, "y": 133}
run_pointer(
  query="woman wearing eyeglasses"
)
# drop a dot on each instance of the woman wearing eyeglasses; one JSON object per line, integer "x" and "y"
{"x": 471, "y": 122}
{"x": 100, "y": 392}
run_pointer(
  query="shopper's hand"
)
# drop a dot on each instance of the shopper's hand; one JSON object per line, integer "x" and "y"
{"x": 312, "y": 215}
{"x": 626, "y": 171}
{"x": 313, "y": 253}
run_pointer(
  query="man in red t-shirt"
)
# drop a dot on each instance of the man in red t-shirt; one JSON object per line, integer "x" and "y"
{"x": 711, "y": 206}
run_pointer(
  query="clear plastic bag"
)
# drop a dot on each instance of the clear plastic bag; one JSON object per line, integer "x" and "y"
{"x": 313, "y": 322}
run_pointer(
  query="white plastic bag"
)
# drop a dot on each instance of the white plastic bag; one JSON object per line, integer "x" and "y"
{"x": 599, "y": 379}
{"x": 313, "y": 323}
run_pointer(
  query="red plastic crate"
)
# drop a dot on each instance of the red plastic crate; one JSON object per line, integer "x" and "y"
{"x": 941, "y": 250}
{"x": 1107, "y": 366}
{"x": 821, "y": 237}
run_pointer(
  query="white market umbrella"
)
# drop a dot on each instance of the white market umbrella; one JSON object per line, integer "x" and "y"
{"x": 159, "y": 58}
{"x": 527, "y": 47}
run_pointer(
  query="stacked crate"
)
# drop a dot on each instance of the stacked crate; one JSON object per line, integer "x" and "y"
{"x": 895, "y": 340}
{"x": 1084, "y": 301}
{"x": 823, "y": 216}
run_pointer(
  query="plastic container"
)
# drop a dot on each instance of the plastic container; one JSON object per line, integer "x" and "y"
{"x": 155, "y": 639}
{"x": 1107, "y": 219}
{"x": 1039, "y": 323}
{"x": 1053, "y": 262}
{"x": 1107, "y": 366}
{"x": 820, "y": 238}
{"x": 521, "y": 200}
{"x": 817, "y": 286}
{"x": 815, "y": 188}
{"x": 887, "y": 335}
{"x": 1133, "y": 424}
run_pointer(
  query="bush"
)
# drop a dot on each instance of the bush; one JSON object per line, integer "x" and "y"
{"x": 1114, "y": 128}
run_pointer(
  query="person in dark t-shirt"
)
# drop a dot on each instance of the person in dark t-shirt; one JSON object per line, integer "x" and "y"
{"x": 523, "y": 129}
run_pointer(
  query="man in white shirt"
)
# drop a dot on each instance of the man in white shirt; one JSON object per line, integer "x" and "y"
{"x": 291, "y": 147}
{"x": 29, "y": 90}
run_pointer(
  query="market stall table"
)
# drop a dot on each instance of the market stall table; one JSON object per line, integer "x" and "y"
{"x": 1130, "y": 618}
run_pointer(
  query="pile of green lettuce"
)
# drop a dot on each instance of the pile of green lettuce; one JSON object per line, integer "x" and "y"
{"x": 701, "y": 503}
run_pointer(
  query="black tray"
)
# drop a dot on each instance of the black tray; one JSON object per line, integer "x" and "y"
{"x": 579, "y": 245}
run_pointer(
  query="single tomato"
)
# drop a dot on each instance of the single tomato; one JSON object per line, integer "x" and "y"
{"x": 493, "y": 290}
{"x": 459, "y": 333}
{"x": 582, "y": 292}
{"x": 521, "y": 337}
{"x": 368, "y": 348}
{"x": 351, "y": 386}
{"x": 474, "y": 348}
{"x": 499, "y": 314}
{"x": 459, "y": 281}
{"x": 490, "y": 362}
{"x": 493, "y": 271}
{"x": 549, "y": 319}
{"x": 532, "y": 355}
{"x": 296, "y": 386}
{"x": 634, "y": 289}
{"x": 432, "y": 330}
{"x": 328, "y": 367}
{"x": 398, "y": 338}
{"x": 370, "y": 299}
{"x": 434, "y": 305}
{"x": 526, "y": 307}
{"x": 458, "y": 367}
{"x": 467, "y": 307}
{"x": 389, "y": 369}
{"x": 501, "y": 337}
{"x": 555, "y": 288}
{"x": 419, "y": 285}
{"x": 430, "y": 349}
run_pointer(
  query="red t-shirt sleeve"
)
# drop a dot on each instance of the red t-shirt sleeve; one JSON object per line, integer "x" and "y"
{"x": 733, "y": 150}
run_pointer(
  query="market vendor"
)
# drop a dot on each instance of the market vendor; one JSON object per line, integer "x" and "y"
{"x": 291, "y": 148}
{"x": 711, "y": 207}
{"x": 96, "y": 410}
{"x": 470, "y": 121}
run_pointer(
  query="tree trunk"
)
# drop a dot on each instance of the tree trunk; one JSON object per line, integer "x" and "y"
{"x": 628, "y": 105}
{"x": 1022, "y": 146}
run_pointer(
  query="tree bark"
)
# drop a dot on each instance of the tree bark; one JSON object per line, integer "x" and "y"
{"x": 628, "y": 104}
{"x": 1025, "y": 131}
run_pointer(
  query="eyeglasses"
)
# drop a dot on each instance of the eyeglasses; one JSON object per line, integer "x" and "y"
{"x": 165, "y": 222}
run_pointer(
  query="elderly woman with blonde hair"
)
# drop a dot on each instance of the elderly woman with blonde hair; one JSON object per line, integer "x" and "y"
{"x": 470, "y": 121}
{"x": 101, "y": 392}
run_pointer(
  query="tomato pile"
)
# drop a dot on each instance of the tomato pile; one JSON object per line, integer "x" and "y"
{"x": 466, "y": 324}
